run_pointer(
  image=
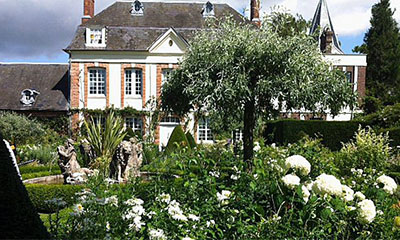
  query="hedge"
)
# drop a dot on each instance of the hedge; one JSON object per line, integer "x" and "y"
{"x": 394, "y": 135}
{"x": 332, "y": 133}
{"x": 26, "y": 176}
{"x": 39, "y": 193}
{"x": 33, "y": 169}
{"x": 177, "y": 136}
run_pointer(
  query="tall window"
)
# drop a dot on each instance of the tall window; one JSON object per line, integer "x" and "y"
{"x": 349, "y": 77}
{"x": 97, "y": 81}
{"x": 166, "y": 74}
{"x": 136, "y": 124}
{"x": 204, "y": 131}
{"x": 133, "y": 82}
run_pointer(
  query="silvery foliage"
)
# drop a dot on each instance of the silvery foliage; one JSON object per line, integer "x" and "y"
{"x": 236, "y": 63}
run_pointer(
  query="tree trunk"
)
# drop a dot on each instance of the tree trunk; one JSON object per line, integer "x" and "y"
{"x": 248, "y": 132}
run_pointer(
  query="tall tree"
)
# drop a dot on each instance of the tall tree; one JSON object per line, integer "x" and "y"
{"x": 382, "y": 44}
{"x": 239, "y": 72}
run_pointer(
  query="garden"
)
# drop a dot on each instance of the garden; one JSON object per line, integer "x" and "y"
{"x": 299, "y": 190}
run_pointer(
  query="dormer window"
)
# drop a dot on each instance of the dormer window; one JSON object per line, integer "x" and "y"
{"x": 137, "y": 8}
{"x": 28, "y": 97}
{"x": 95, "y": 37}
{"x": 208, "y": 10}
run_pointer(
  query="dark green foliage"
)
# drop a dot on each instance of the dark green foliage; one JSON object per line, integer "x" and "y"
{"x": 382, "y": 44}
{"x": 14, "y": 127}
{"x": 178, "y": 138}
{"x": 60, "y": 124}
{"x": 332, "y": 133}
{"x": 150, "y": 152}
{"x": 394, "y": 135}
{"x": 39, "y": 193}
{"x": 191, "y": 141}
{"x": 388, "y": 117}
{"x": 18, "y": 218}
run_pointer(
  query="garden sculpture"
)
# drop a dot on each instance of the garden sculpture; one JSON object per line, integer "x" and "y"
{"x": 126, "y": 160}
{"x": 87, "y": 151}
{"x": 70, "y": 168}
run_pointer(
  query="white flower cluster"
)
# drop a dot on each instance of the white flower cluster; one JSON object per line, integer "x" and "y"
{"x": 298, "y": 163}
{"x": 135, "y": 212}
{"x": 164, "y": 197}
{"x": 306, "y": 193}
{"x": 390, "y": 185}
{"x": 347, "y": 193}
{"x": 256, "y": 147}
{"x": 327, "y": 184}
{"x": 78, "y": 210}
{"x": 291, "y": 181}
{"x": 176, "y": 212}
{"x": 367, "y": 211}
{"x": 113, "y": 200}
{"x": 157, "y": 234}
{"x": 224, "y": 196}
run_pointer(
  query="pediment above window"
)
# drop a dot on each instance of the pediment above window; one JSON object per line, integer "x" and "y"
{"x": 169, "y": 42}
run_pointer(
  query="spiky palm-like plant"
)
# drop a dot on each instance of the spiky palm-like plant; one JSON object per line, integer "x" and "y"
{"x": 105, "y": 139}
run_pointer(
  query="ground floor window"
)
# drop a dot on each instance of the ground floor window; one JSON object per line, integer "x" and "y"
{"x": 136, "y": 124}
{"x": 204, "y": 130}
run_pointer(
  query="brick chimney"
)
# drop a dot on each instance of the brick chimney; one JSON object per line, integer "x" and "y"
{"x": 88, "y": 10}
{"x": 255, "y": 12}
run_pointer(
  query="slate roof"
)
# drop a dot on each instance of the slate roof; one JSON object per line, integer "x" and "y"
{"x": 322, "y": 20}
{"x": 50, "y": 80}
{"x": 138, "y": 33}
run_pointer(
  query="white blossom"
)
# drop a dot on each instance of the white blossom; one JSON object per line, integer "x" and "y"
{"x": 157, "y": 234}
{"x": 367, "y": 211}
{"x": 291, "y": 181}
{"x": 215, "y": 174}
{"x": 224, "y": 196}
{"x": 257, "y": 147}
{"x": 113, "y": 200}
{"x": 359, "y": 196}
{"x": 348, "y": 193}
{"x": 327, "y": 184}
{"x": 306, "y": 193}
{"x": 390, "y": 185}
{"x": 164, "y": 198}
{"x": 210, "y": 223}
{"x": 193, "y": 217}
{"x": 299, "y": 163}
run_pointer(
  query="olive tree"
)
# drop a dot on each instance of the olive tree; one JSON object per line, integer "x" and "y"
{"x": 235, "y": 72}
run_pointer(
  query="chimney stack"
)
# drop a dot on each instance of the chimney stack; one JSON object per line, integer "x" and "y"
{"x": 88, "y": 10}
{"x": 327, "y": 41}
{"x": 255, "y": 12}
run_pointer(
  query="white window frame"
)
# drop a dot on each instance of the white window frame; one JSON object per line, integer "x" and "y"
{"x": 89, "y": 33}
{"x": 96, "y": 80}
{"x": 133, "y": 87}
{"x": 170, "y": 120}
{"x": 136, "y": 123}
{"x": 203, "y": 128}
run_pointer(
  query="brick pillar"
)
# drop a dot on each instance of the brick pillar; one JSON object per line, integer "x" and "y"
{"x": 255, "y": 12}
{"x": 361, "y": 81}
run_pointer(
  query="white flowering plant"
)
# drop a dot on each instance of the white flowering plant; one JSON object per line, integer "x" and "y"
{"x": 199, "y": 199}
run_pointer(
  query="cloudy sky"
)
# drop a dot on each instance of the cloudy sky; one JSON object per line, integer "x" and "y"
{"x": 38, "y": 30}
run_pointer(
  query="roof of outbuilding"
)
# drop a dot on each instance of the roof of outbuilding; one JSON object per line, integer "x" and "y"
{"x": 50, "y": 80}
{"x": 138, "y": 33}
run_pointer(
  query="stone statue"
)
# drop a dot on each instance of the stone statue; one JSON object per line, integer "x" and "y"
{"x": 87, "y": 151}
{"x": 127, "y": 160}
{"x": 69, "y": 165}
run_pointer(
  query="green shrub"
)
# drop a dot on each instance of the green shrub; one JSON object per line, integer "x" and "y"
{"x": 150, "y": 152}
{"x": 394, "y": 135}
{"x": 332, "y": 133}
{"x": 387, "y": 117}
{"x": 368, "y": 150}
{"x": 40, "y": 174}
{"x": 40, "y": 193}
{"x": 44, "y": 154}
{"x": 20, "y": 129}
{"x": 191, "y": 141}
{"x": 40, "y": 168}
{"x": 178, "y": 138}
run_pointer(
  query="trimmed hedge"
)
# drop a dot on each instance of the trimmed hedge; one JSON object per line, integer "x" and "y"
{"x": 39, "y": 193}
{"x": 18, "y": 218}
{"x": 394, "y": 135}
{"x": 33, "y": 169}
{"x": 177, "y": 136}
{"x": 191, "y": 141}
{"x": 26, "y": 176}
{"x": 332, "y": 133}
